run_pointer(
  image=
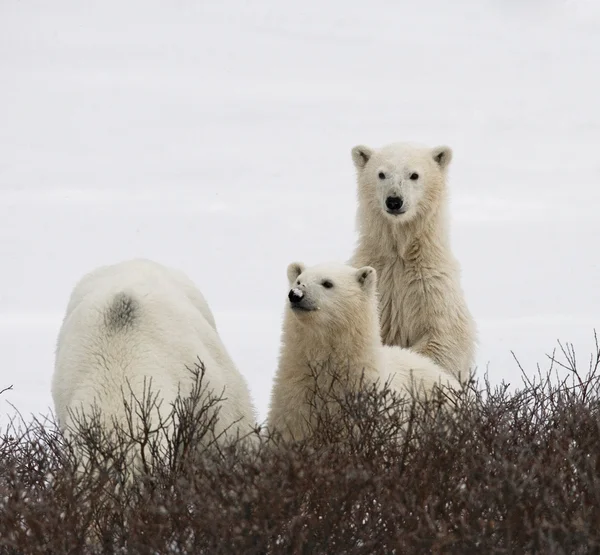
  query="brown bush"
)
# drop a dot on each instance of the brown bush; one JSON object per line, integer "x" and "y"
{"x": 504, "y": 472}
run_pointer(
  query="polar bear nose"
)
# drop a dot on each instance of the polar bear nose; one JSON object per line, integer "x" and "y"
{"x": 394, "y": 204}
{"x": 295, "y": 295}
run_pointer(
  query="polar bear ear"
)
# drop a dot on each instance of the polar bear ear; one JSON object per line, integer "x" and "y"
{"x": 442, "y": 156}
{"x": 361, "y": 155}
{"x": 294, "y": 270}
{"x": 367, "y": 278}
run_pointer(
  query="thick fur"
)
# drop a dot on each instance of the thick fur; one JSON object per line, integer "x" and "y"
{"x": 134, "y": 321}
{"x": 338, "y": 328}
{"x": 422, "y": 305}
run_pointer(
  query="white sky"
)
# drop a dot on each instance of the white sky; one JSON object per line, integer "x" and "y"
{"x": 216, "y": 137}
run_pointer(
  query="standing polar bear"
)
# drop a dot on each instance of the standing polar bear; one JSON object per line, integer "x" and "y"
{"x": 331, "y": 322}
{"x": 134, "y": 321}
{"x": 403, "y": 233}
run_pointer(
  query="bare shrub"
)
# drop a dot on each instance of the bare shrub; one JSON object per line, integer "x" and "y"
{"x": 503, "y": 472}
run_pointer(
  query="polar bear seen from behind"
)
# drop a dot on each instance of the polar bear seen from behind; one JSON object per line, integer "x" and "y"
{"x": 331, "y": 320}
{"x": 403, "y": 233}
{"x": 136, "y": 321}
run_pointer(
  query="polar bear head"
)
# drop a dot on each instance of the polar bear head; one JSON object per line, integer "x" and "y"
{"x": 402, "y": 181}
{"x": 331, "y": 295}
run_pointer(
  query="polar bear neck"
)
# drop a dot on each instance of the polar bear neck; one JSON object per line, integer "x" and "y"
{"x": 425, "y": 235}
{"x": 347, "y": 347}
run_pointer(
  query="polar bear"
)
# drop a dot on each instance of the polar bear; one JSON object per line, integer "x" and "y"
{"x": 331, "y": 320}
{"x": 134, "y": 321}
{"x": 403, "y": 233}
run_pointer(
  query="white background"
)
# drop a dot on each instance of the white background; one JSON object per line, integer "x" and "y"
{"x": 216, "y": 137}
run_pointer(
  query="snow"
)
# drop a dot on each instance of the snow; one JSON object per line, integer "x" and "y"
{"x": 216, "y": 137}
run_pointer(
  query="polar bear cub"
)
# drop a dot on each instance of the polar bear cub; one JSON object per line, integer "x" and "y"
{"x": 331, "y": 320}
{"x": 403, "y": 233}
{"x": 134, "y": 321}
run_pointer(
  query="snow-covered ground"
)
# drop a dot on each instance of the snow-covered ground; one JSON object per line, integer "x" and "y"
{"x": 216, "y": 137}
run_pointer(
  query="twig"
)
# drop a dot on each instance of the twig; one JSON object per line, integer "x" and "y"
{"x": 9, "y": 388}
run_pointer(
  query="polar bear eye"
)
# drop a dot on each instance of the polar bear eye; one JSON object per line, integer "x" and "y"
{"x": 381, "y": 175}
{"x": 327, "y": 284}
{"x": 414, "y": 176}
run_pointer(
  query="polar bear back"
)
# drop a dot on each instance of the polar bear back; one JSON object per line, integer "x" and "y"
{"x": 406, "y": 368}
{"x": 145, "y": 269}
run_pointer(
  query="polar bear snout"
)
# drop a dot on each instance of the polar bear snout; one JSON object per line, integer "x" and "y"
{"x": 300, "y": 301}
{"x": 295, "y": 295}
{"x": 394, "y": 204}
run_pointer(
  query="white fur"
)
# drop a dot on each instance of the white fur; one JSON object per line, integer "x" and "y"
{"x": 337, "y": 327}
{"x": 422, "y": 305}
{"x": 140, "y": 320}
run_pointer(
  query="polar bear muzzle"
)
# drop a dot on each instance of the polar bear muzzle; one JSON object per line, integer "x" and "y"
{"x": 298, "y": 300}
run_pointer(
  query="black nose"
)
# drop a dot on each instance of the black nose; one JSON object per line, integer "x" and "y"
{"x": 393, "y": 203}
{"x": 295, "y": 296}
